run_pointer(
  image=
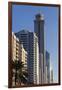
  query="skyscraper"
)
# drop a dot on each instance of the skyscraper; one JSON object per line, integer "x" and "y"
{"x": 48, "y": 66}
{"x": 39, "y": 30}
{"x": 33, "y": 58}
{"x": 30, "y": 44}
{"x": 23, "y": 38}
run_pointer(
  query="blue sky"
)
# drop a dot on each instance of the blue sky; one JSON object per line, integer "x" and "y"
{"x": 23, "y": 18}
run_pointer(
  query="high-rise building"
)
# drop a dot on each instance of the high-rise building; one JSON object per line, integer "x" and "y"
{"x": 47, "y": 67}
{"x": 33, "y": 63}
{"x": 23, "y": 38}
{"x": 51, "y": 74}
{"x": 30, "y": 44}
{"x": 39, "y": 30}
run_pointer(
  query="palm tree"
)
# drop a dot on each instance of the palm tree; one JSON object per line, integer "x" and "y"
{"x": 23, "y": 77}
{"x": 20, "y": 74}
{"x": 17, "y": 65}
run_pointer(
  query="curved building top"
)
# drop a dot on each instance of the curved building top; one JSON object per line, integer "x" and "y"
{"x": 39, "y": 17}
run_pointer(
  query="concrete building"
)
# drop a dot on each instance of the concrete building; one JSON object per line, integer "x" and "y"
{"x": 47, "y": 67}
{"x": 39, "y": 30}
{"x": 33, "y": 63}
{"x": 15, "y": 48}
{"x": 15, "y": 53}
{"x": 18, "y": 53}
{"x": 30, "y": 44}
{"x": 24, "y": 38}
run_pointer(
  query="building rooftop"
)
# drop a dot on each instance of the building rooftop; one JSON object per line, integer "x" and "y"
{"x": 39, "y": 16}
{"x": 23, "y": 31}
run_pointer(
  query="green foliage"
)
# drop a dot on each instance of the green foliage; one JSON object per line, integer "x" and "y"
{"x": 18, "y": 65}
{"x": 20, "y": 75}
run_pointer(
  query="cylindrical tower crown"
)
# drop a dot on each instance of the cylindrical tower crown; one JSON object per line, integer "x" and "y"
{"x": 39, "y": 17}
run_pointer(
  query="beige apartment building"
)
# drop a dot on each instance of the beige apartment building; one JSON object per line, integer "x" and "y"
{"x": 18, "y": 53}
{"x": 15, "y": 47}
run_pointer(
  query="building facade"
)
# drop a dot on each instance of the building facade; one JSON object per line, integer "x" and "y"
{"x": 47, "y": 67}
{"x": 30, "y": 44}
{"x": 15, "y": 48}
{"x": 15, "y": 54}
{"x": 23, "y": 38}
{"x": 33, "y": 63}
{"x": 24, "y": 57}
{"x": 39, "y": 30}
{"x": 18, "y": 53}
